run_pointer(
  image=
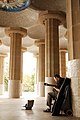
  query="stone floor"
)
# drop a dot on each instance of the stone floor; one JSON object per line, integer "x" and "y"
{"x": 11, "y": 109}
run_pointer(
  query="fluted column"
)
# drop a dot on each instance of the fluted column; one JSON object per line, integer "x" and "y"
{"x": 51, "y": 20}
{"x": 16, "y": 35}
{"x": 51, "y": 47}
{"x": 2, "y": 56}
{"x": 73, "y": 26}
{"x": 62, "y": 61}
{"x": 41, "y": 45}
{"x": 73, "y": 32}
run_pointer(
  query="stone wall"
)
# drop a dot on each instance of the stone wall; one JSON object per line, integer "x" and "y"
{"x": 74, "y": 74}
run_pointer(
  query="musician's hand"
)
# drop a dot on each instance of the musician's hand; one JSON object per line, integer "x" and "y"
{"x": 54, "y": 88}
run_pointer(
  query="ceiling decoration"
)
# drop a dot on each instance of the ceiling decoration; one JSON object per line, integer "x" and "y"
{"x": 14, "y": 5}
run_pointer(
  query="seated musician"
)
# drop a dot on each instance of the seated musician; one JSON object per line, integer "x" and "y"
{"x": 52, "y": 95}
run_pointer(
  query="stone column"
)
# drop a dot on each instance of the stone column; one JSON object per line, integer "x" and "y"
{"x": 37, "y": 74}
{"x": 73, "y": 25}
{"x": 22, "y": 51}
{"x": 51, "y": 20}
{"x": 62, "y": 61}
{"x": 2, "y": 56}
{"x": 41, "y": 45}
{"x": 16, "y": 35}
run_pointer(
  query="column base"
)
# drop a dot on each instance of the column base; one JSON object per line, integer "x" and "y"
{"x": 48, "y": 89}
{"x": 37, "y": 89}
{"x": 1, "y": 89}
{"x": 41, "y": 89}
{"x": 14, "y": 88}
{"x": 21, "y": 89}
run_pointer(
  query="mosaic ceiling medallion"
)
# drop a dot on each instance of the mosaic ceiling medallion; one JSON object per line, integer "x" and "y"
{"x": 14, "y": 5}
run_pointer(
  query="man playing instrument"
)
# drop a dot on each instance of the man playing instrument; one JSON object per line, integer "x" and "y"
{"x": 56, "y": 88}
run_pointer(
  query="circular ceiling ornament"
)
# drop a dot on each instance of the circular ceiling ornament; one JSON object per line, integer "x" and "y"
{"x": 14, "y": 5}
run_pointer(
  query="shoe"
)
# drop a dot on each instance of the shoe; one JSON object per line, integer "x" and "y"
{"x": 47, "y": 110}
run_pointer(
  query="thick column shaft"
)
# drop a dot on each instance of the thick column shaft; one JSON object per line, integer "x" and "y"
{"x": 74, "y": 74}
{"x": 16, "y": 35}
{"x": 51, "y": 47}
{"x": 41, "y": 46}
{"x": 51, "y": 51}
{"x": 2, "y": 56}
{"x": 73, "y": 25}
{"x": 15, "y": 65}
{"x": 15, "y": 56}
{"x": 21, "y": 75}
{"x": 62, "y": 60}
{"x": 42, "y": 69}
{"x": 37, "y": 74}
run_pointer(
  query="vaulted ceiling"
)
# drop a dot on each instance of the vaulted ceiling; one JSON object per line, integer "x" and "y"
{"x": 29, "y": 19}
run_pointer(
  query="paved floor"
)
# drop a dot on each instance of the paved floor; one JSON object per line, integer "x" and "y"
{"x": 11, "y": 109}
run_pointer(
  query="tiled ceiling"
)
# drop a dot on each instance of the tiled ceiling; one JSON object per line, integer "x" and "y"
{"x": 29, "y": 20}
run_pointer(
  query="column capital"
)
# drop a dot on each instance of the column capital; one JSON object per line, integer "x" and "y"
{"x": 3, "y": 55}
{"x": 36, "y": 55}
{"x": 23, "y": 49}
{"x": 63, "y": 50}
{"x": 20, "y": 30}
{"x": 58, "y": 15}
{"x": 39, "y": 42}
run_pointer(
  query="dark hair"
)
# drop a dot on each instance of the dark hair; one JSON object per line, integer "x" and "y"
{"x": 57, "y": 75}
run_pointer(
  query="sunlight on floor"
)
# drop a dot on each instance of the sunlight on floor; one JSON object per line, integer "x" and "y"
{"x": 25, "y": 95}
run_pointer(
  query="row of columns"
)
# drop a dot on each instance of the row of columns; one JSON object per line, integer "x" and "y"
{"x": 48, "y": 54}
{"x": 51, "y": 20}
{"x": 40, "y": 69}
{"x": 73, "y": 26}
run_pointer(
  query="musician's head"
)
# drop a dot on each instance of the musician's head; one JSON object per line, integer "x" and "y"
{"x": 56, "y": 77}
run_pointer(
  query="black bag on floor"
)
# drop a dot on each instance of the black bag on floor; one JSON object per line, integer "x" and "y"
{"x": 29, "y": 104}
